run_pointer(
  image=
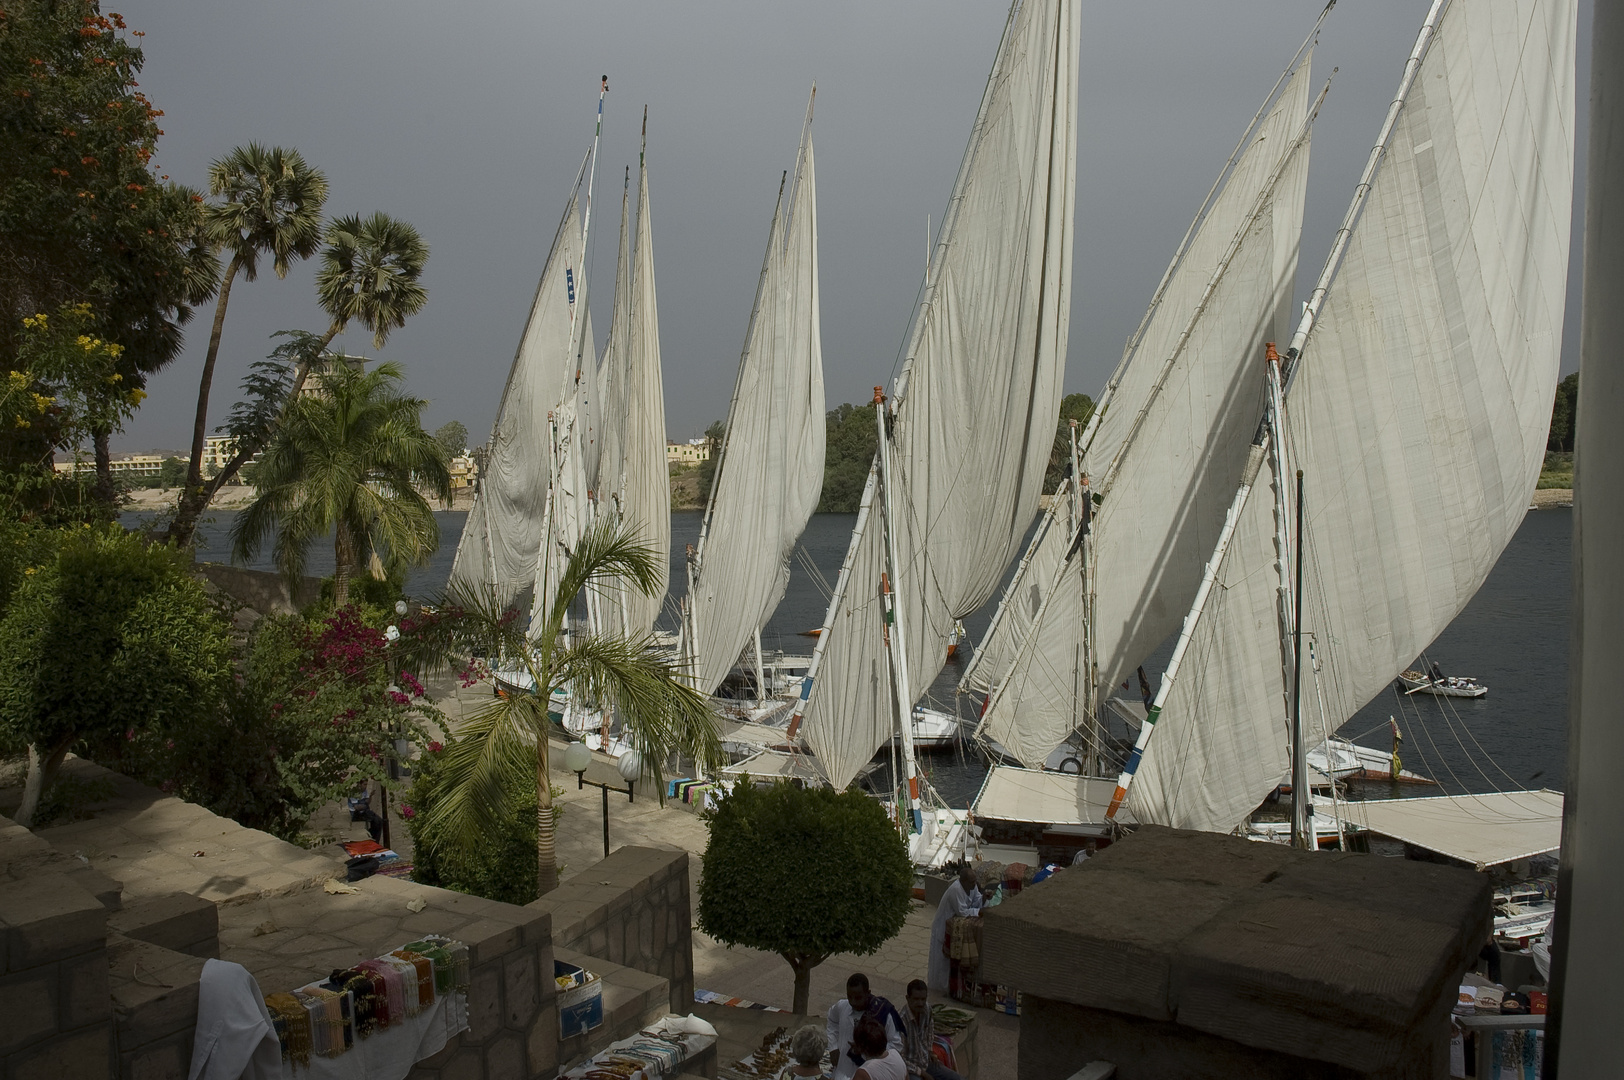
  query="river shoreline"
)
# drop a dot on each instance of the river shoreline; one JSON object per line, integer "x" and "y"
{"x": 1552, "y": 499}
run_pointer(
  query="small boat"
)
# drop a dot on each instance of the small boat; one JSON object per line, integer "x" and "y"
{"x": 933, "y": 729}
{"x": 1439, "y": 685}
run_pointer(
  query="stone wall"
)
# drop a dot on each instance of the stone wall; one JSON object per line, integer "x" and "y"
{"x": 53, "y": 995}
{"x": 631, "y": 909}
{"x": 94, "y": 992}
{"x": 265, "y": 592}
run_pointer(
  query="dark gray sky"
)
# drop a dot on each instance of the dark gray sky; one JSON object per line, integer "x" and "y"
{"x": 470, "y": 119}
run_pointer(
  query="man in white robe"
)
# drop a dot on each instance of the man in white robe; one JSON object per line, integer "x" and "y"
{"x": 963, "y": 898}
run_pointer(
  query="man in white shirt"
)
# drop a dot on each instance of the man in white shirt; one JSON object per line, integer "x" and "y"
{"x": 843, "y": 1017}
{"x": 963, "y": 898}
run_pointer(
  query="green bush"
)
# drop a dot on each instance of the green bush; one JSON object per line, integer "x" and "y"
{"x": 503, "y": 869}
{"x": 805, "y": 873}
{"x": 110, "y": 638}
{"x": 310, "y": 716}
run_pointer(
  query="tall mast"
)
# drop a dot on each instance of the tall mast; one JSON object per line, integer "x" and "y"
{"x": 895, "y": 633}
{"x": 1302, "y": 796}
{"x": 1293, "y": 355}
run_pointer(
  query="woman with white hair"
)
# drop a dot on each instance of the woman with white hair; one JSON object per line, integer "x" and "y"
{"x": 809, "y": 1055}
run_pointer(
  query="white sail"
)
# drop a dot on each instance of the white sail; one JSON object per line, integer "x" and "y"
{"x": 1023, "y": 598}
{"x": 771, "y": 470}
{"x": 496, "y": 556}
{"x": 978, "y": 394}
{"x": 1418, "y": 416}
{"x": 1182, "y": 414}
{"x": 1168, "y": 450}
{"x": 632, "y": 478}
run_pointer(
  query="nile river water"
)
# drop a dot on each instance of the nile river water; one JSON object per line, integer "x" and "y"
{"x": 1513, "y": 636}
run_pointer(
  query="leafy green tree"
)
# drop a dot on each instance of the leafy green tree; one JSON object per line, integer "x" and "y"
{"x": 452, "y": 437}
{"x": 499, "y": 756}
{"x": 1564, "y": 413}
{"x": 707, "y": 468}
{"x": 347, "y": 460}
{"x": 109, "y": 637}
{"x": 268, "y": 202}
{"x": 852, "y": 442}
{"x": 370, "y": 272}
{"x": 172, "y": 473}
{"x": 1078, "y": 407}
{"x": 318, "y": 705}
{"x": 83, "y": 220}
{"x": 805, "y": 872}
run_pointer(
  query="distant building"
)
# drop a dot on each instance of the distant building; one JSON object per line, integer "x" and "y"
{"x": 691, "y": 452}
{"x": 131, "y": 465}
{"x": 464, "y": 471}
{"x": 218, "y": 450}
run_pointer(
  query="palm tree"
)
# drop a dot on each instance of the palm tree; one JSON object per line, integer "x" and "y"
{"x": 270, "y": 204}
{"x": 369, "y": 273}
{"x": 493, "y": 751}
{"x": 347, "y": 459}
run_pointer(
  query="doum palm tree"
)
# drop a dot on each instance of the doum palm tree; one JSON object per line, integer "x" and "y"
{"x": 270, "y": 204}
{"x": 349, "y": 459}
{"x": 370, "y": 271}
{"x": 493, "y": 753}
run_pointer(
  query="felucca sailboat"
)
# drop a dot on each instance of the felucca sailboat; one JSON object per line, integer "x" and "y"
{"x": 770, "y": 470}
{"x": 965, "y": 433}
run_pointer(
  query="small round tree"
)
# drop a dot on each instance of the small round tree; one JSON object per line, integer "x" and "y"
{"x": 803, "y": 872}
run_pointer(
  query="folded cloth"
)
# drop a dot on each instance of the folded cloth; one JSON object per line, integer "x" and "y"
{"x": 236, "y": 1033}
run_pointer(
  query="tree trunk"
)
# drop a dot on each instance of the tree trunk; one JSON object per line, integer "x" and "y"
{"x": 546, "y": 839}
{"x": 343, "y": 563}
{"x": 41, "y": 771}
{"x": 802, "y": 966}
{"x": 105, "y": 492}
{"x": 248, "y": 450}
{"x": 193, "y": 499}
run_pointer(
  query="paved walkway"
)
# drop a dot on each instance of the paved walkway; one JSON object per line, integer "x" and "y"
{"x": 735, "y": 971}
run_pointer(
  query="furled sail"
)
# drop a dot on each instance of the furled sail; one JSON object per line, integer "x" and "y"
{"x": 1182, "y": 413}
{"x": 978, "y": 394}
{"x": 771, "y": 470}
{"x": 1418, "y": 414}
{"x": 497, "y": 555}
{"x": 632, "y": 478}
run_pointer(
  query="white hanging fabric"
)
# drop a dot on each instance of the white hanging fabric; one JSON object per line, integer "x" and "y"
{"x": 771, "y": 472}
{"x": 496, "y": 557}
{"x": 979, "y": 392}
{"x": 1418, "y": 417}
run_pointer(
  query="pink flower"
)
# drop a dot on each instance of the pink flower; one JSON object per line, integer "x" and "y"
{"x": 399, "y": 698}
{"x": 407, "y": 812}
{"x": 129, "y": 735}
{"x": 435, "y": 748}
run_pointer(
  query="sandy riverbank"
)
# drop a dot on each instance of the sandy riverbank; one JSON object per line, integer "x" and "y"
{"x": 1551, "y": 498}
{"x": 235, "y": 497}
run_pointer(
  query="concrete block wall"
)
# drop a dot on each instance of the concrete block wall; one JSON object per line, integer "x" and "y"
{"x": 54, "y": 990}
{"x": 631, "y": 909}
{"x": 512, "y": 1005}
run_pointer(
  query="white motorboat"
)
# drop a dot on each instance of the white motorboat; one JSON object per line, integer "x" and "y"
{"x": 1416, "y": 682}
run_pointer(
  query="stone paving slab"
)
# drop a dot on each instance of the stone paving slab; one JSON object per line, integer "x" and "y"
{"x": 155, "y": 844}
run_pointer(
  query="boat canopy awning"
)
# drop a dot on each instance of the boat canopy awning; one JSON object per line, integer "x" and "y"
{"x": 757, "y": 735}
{"x": 1131, "y": 713}
{"x": 770, "y": 764}
{"x": 1482, "y": 830}
{"x": 1046, "y": 798}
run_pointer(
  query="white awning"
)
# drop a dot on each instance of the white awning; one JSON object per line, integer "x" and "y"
{"x": 771, "y": 763}
{"x": 1047, "y": 798}
{"x": 1483, "y": 830}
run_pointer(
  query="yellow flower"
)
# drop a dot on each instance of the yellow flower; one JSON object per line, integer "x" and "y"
{"x": 23, "y": 423}
{"x": 137, "y": 396}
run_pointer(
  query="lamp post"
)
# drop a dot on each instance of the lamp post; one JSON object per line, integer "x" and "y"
{"x": 630, "y": 765}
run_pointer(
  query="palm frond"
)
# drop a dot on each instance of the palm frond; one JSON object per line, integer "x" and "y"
{"x": 492, "y": 754}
